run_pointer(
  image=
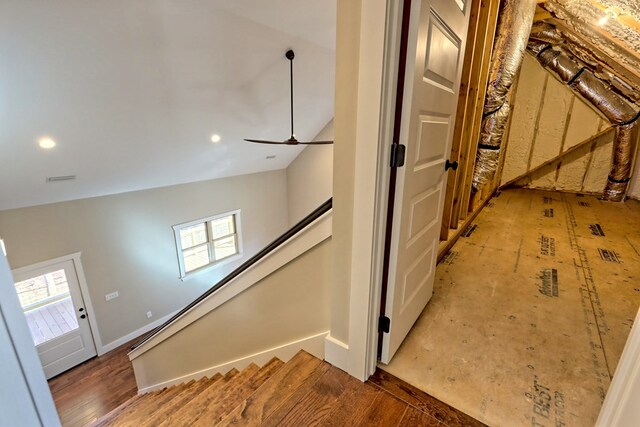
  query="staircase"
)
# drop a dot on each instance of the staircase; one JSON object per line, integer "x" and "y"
{"x": 304, "y": 391}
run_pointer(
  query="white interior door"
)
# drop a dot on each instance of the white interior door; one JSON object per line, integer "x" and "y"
{"x": 52, "y": 302}
{"x": 435, "y": 50}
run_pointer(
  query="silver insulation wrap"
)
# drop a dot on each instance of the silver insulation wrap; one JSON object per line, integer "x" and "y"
{"x": 613, "y": 106}
{"x": 618, "y": 109}
{"x": 620, "y": 174}
{"x": 486, "y": 166}
{"x": 512, "y": 34}
{"x": 560, "y": 63}
{"x": 493, "y": 127}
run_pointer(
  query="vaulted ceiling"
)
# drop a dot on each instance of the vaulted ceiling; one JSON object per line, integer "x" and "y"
{"x": 131, "y": 91}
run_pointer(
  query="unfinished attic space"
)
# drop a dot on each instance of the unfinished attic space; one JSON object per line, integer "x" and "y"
{"x": 537, "y": 285}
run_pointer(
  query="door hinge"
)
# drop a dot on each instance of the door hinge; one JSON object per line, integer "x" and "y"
{"x": 397, "y": 155}
{"x": 384, "y": 323}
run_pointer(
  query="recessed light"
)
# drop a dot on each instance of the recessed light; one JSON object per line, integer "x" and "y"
{"x": 215, "y": 138}
{"x": 270, "y": 157}
{"x": 46, "y": 142}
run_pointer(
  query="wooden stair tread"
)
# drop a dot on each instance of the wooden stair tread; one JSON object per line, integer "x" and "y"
{"x": 105, "y": 419}
{"x": 167, "y": 407}
{"x": 257, "y": 407}
{"x": 190, "y": 413}
{"x": 313, "y": 400}
{"x": 303, "y": 391}
{"x": 235, "y": 396}
{"x": 143, "y": 413}
{"x": 125, "y": 410}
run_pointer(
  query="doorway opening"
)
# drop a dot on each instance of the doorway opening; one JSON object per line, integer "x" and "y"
{"x": 534, "y": 294}
{"x": 56, "y": 311}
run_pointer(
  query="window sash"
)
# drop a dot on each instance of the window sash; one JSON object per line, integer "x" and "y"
{"x": 210, "y": 243}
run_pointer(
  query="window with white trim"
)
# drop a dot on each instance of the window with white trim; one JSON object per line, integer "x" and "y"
{"x": 207, "y": 242}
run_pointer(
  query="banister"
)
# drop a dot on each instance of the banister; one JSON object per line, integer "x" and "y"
{"x": 317, "y": 213}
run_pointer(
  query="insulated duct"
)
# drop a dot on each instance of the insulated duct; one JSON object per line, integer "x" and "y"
{"x": 512, "y": 33}
{"x": 617, "y": 109}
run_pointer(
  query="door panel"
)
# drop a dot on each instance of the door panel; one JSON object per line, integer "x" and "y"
{"x": 53, "y": 305}
{"x": 437, "y": 30}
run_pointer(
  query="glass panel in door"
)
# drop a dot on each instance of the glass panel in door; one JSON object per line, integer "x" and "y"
{"x": 47, "y": 305}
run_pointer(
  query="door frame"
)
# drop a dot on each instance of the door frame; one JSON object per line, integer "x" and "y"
{"x": 379, "y": 40}
{"x": 84, "y": 291}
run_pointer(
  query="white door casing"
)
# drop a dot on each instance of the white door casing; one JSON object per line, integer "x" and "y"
{"x": 71, "y": 348}
{"x": 436, "y": 39}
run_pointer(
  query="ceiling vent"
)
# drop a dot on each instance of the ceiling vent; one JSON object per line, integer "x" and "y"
{"x": 61, "y": 178}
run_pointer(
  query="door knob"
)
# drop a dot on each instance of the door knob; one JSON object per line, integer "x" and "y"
{"x": 448, "y": 165}
{"x": 83, "y": 316}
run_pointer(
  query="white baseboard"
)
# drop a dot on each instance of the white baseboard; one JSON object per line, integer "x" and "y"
{"x": 336, "y": 353}
{"x": 313, "y": 344}
{"x": 143, "y": 330}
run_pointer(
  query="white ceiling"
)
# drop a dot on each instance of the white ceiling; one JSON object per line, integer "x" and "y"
{"x": 131, "y": 91}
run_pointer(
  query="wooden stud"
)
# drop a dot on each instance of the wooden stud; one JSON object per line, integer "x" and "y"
{"x": 474, "y": 132}
{"x": 471, "y": 127}
{"x": 478, "y": 9}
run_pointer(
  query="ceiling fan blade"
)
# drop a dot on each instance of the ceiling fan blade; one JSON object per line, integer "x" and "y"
{"x": 316, "y": 142}
{"x": 262, "y": 141}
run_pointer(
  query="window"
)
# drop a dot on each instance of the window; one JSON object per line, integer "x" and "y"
{"x": 207, "y": 241}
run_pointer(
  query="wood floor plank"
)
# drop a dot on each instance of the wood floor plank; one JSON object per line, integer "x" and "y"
{"x": 94, "y": 388}
{"x": 413, "y": 417}
{"x": 351, "y": 405}
{"x": 386, "y": 411}
{"x": 255, "y": 409}
{"x": 422, "y": 401}
{"x": 311, "y": 401}
{"x": 233, "y": 397}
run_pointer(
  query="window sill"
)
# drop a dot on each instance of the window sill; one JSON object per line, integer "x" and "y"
{"x": 210, "y": 267}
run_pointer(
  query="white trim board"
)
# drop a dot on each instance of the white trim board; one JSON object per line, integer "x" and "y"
{"x": 336, "y": 352}
{"x": 313, "y": 344}
{"x": 309, "y": 237}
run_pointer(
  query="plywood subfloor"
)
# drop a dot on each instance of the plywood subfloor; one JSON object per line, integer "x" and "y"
{"x": 530, "y": 311}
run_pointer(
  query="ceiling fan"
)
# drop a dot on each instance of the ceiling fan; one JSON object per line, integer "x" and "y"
{"x": 292, "y": 139}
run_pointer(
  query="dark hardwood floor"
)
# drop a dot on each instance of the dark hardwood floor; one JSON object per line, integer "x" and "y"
{"x": 94, "y": 388}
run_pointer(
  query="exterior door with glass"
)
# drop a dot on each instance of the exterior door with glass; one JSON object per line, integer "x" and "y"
{"x": 52, "y": 302}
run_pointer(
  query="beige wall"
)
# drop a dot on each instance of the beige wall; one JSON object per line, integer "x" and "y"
{"x": 548, "y": 118}
{"x": 310, "y": 177}
{"x": 344, "y": 151}
{"x": 256, "y": 320}
{"x": 127, "y": 242}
